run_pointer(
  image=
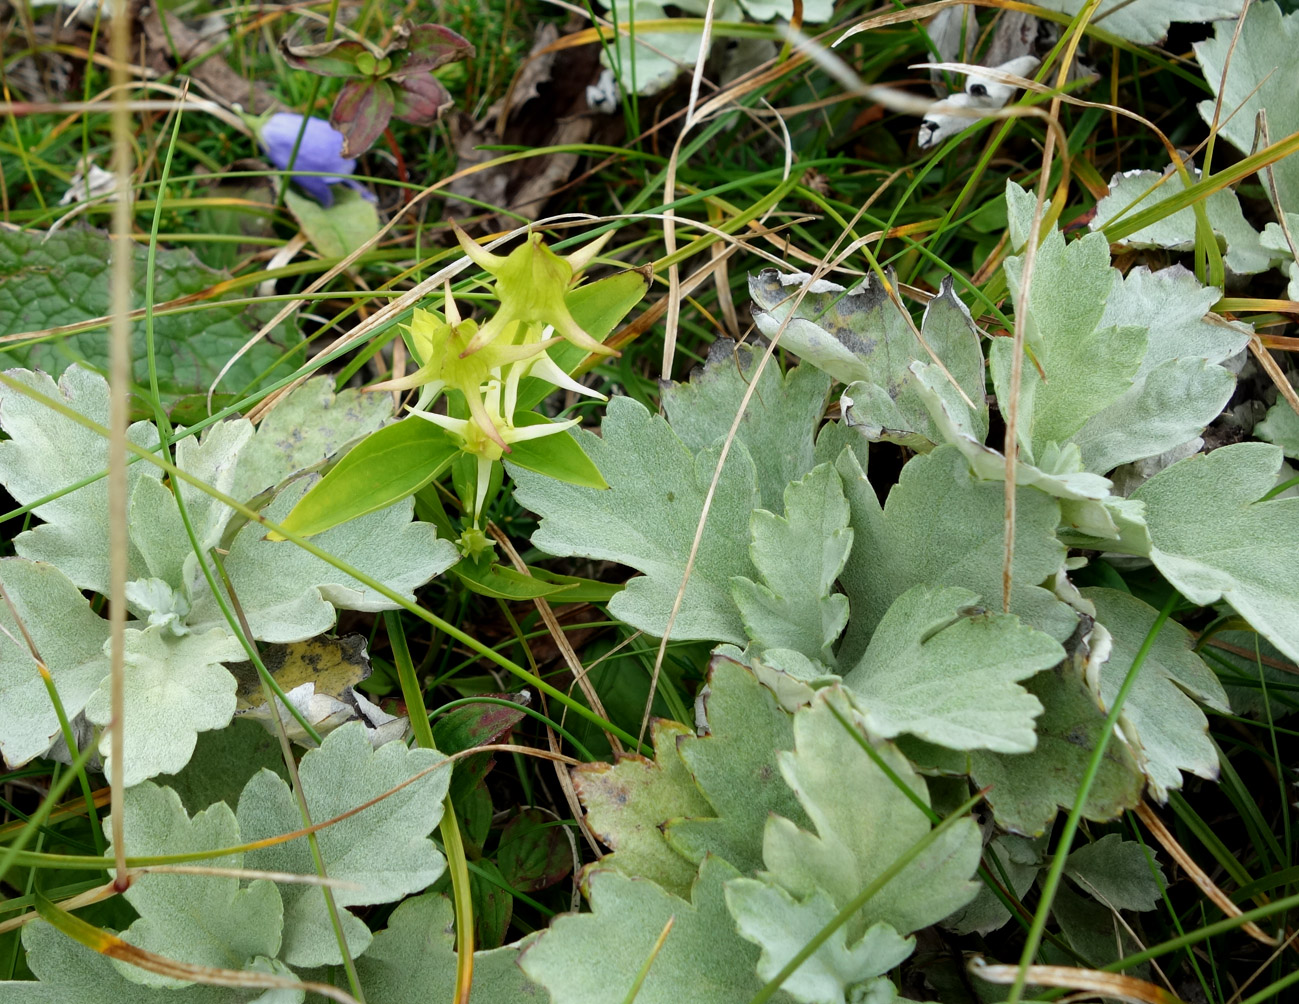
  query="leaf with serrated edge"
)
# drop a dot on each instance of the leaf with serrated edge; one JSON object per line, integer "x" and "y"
{"x": 799, "y": 557}
{"x": 1263, "y": 75}
{"x": 206, "y": 920}
{"x": 1281, "y": 428}
{"x": 71, "y": 973}
{"x": 1161, "y": 707}
{"x": 46, "y": 453}
{"x": 940, "y": 526}
{"x": 945, "y": 669}
{"x": 627, "y": 803}
{"x": 781, "y": 925}
{"x": 1214, "y": 540}
{"x": 413, "y": 960}
{"x": 594, "y": 958}
{"x": 863, "y": 823}
{"x": 384, "y": 849}
{"x": 70, "y": 638}
{"x": 175, "y": 688}
{"x": 1120, "y": 873}
{"x": 647, "y": 519}
{"x": 1147, "y": 21}
{"x": 288, "y": 594}
{"x": 1027, "y": 789}
{"x": 778, "y": 424}
{"x": 735, "y": 768}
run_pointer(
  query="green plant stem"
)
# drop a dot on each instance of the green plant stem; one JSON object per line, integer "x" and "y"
{"x": 1056, "y": 872}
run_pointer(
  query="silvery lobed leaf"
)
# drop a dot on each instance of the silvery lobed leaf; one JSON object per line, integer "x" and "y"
{"x": 384, "y": 849}
{"x": 206, "y": 920}
{"x": 1122, "y": 874}
{"x": 1275, "y": 241}
{"x": 1147, "y": 21}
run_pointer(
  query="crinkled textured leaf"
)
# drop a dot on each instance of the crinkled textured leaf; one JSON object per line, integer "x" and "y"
{"x": 1178, "y": 389}
{"x": 943, "y": 668}
{"x": 627, "y": 803}
{"x": 288, "y": 594}
{"x": 1088, "y": 366}
{"x": 863, "y": 823}
{"x": 1117, "y": 872}
{"x": 942, "y": 527}
{"x": 778, "y": 425}
{"x": 1147, "y": 21}
{"x": 206, "y": 920}
{"x": 781, "y": 926}
{"x": 799, "y": 558}
{"x": 1281, "y": 428}
{"x": 861, "y": 338}
{"x": 1160, "y": 712}
{"x": 71, "y": 973}
{"x": 1028, "y": 788}
{"x": 1137, "y": 190}
{"x": 70, "y": 638}
{"x": 735, "y": 768}
{"x": 47, "y": 453}
{"x": 384, "y": 848}
{"x": 594, "y": 958}
{"x": 48, "y": 280}
{"x": 413, "y": 960}
{"x": 647, "y": 519}
{"x": 1263, "y": 75}
{"x": 175, "y": 688}
{"x": 312, "y": 423}
{"x": 1213, "y": 538}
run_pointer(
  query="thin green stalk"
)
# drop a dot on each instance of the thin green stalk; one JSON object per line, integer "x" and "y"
{"x": 1056, "y": 872}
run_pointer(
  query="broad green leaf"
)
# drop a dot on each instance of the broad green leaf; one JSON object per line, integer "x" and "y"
{"x": 338, "y": 230}
{"x": 595, "y": 958}
{"x": 1094, "y": 931}
{"x": 533, "y": 852}
{"x": 384, "y": 849}
{"x": 627, "y": 804}
{"x": 50, "y": 280}
{"x": 1117, "y": 872}
{"x": 288, "y": 594}
{"x": 504, "y": 582}
{"x": 306, "y": 427}
{"x": 778, "y": 425}
{"x": 492, "y": 902}
{"x": 945, "y": 669}
{"x": 1017, "y": 863}
{"x": 413, "y": 960}
{"x": 1214, "y": 540}
{"x": 47, "y": 453}
{"x": 386, "y": 467}
{"x": 781, "y": 925}
{"x": 1088, "y": 366}
{"x": 206, "y": 920}
{"x": 1147, "y": 21}
{"x": 559, "y": 456}
{"x": 647, "y": 519}
{"x": 1263, "y": 75}
{"x": 1134, "y": 191}
{"x": 1164, "y": 721}
{"x": 863, "y": 823}
{"x": 735, "y": 768}
{"x": 70, "y": 638}
{"x": 799, "y": 557}
{"x": 1281, "y": 428}
{"x": 175, "y": 688}
{"x": 943, "y": 527}
{"x": 71, "y": 973}
{"x": 1027, "y": 789}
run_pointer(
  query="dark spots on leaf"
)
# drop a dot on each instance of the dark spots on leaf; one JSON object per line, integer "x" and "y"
{"x": 672, "y": 496}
